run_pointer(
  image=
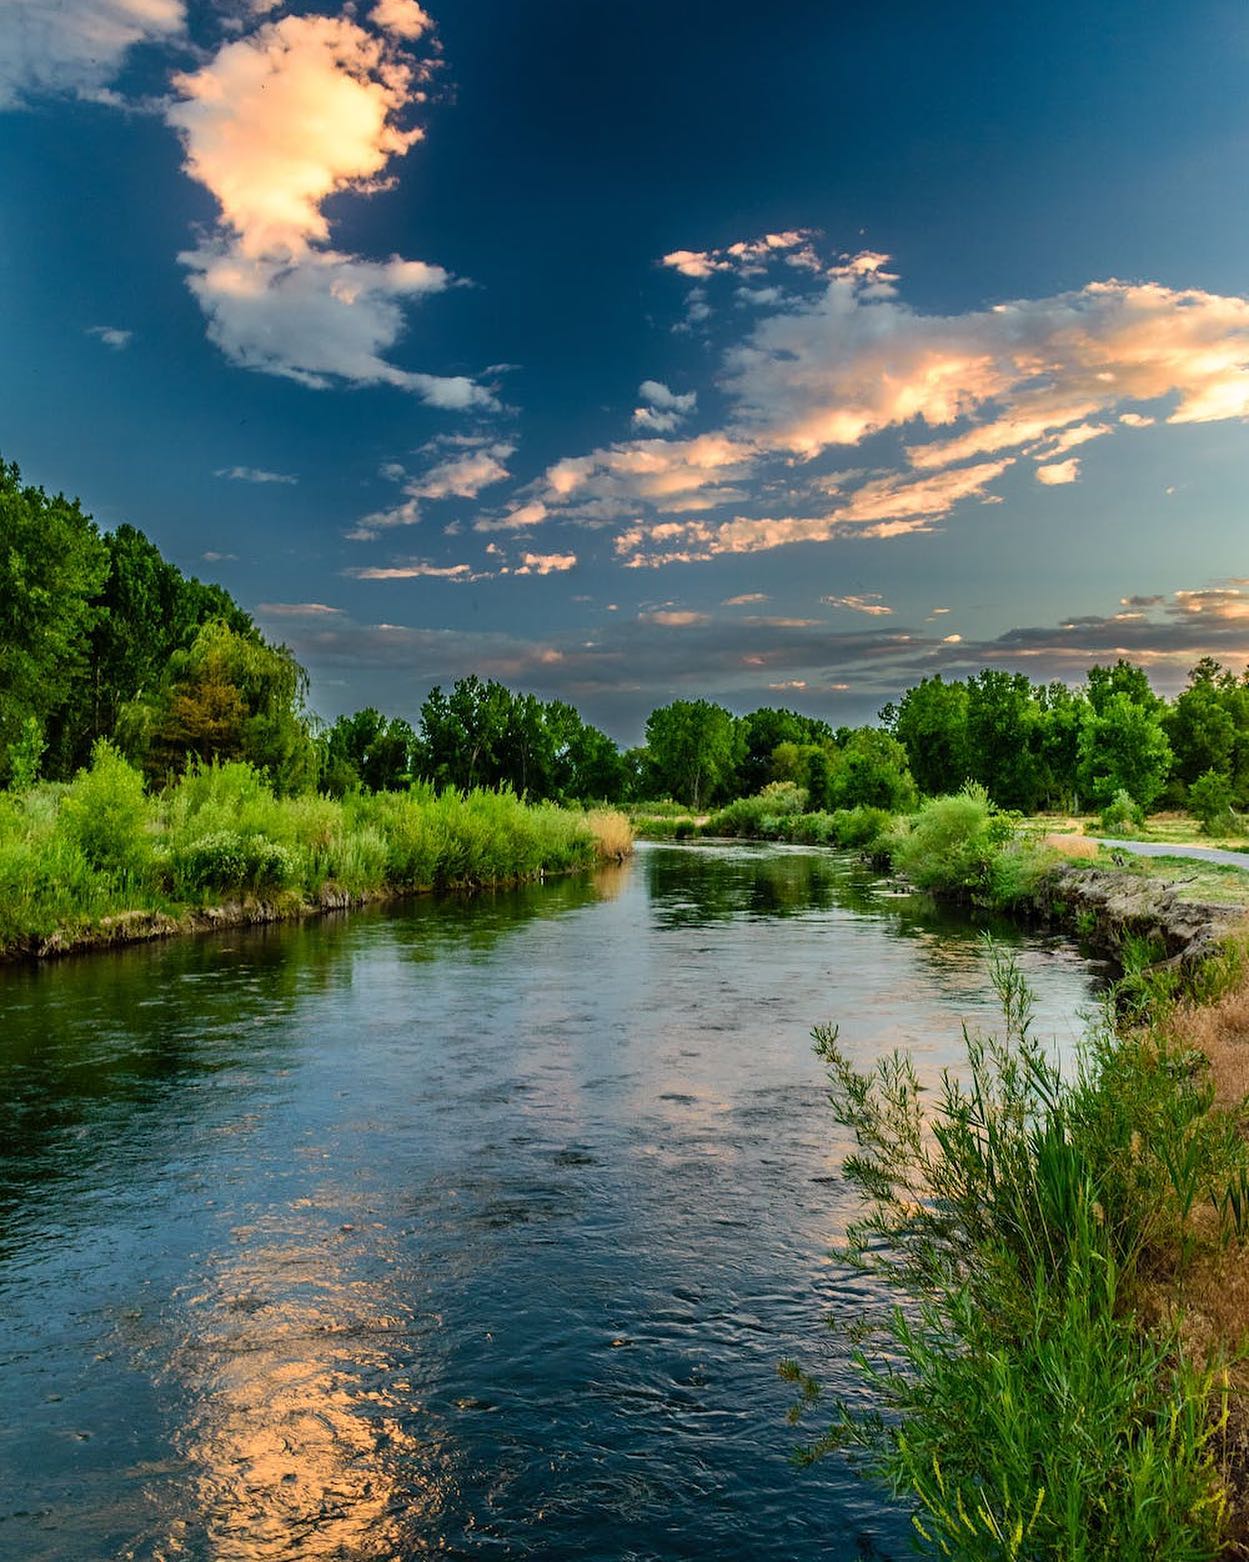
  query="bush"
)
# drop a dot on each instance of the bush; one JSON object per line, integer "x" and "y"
{"x": 104, "y": 812}
{"x": 953, "y": 844}
{"x": 1123, "y": 812}
{"x": 760, "y": 816}
{"x": 228, "y": 860}
{"x": 1210, "y": 802}
{"x": 1019, "y": 1400}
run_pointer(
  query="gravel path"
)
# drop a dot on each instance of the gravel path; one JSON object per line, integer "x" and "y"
{"x": 1163, "y": 849}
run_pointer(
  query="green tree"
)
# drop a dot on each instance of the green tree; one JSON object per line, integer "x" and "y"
{"x": 1123, "y": 748}
{"x": 1003, "y": 729}
{"x": 1123, "y": 678}
{"x": 694, "y": 748}
{"x": 367, "y": 749}
{"x": 228, "y": 696}
{"x": 762, "y": 731}
{"x": 931, "y": 724}
{"x": 52, "y": 564}
{"x": 1205, "y": 724}
{"x": 1210, "y": 802}
{"x": 871, "y": 771}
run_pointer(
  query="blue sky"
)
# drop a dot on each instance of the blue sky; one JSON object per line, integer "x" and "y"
{"x": 631, "y": 353}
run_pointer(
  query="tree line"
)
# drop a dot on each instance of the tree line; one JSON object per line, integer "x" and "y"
{"x": 102, "y": 637}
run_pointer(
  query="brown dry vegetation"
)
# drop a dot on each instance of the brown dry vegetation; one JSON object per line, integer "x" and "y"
{"x": 613, "y": 834}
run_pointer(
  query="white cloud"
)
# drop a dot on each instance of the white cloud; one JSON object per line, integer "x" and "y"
{"x": 674, "y": 618}
{"x": 662, "y": 409}
{"x": 1059, "y": 473}
{"x": 747, "y": 599}
{"x": 277, "y": 122}
{"x": 404, "y": 18}
{"x": 297, "y": 609}
{"x": 544, "y": 563}
{"x": 463, "y": 476}
{"x": 112, "y": 336}
{"x": 254, "y": 474}
{"x": 869, "y": 603}
{"x": 76, "y": 46}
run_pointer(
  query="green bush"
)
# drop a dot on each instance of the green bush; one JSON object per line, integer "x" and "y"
{"x": 104, "y": 813}
{"x": 961, "y": 845}
{"x": 1123, "y": 812}
{"x": 1019, "y": 1401}
{"x": 759, "y": 816}
{"x": 226, "y": 860}
{"x": 1210, "y": 802}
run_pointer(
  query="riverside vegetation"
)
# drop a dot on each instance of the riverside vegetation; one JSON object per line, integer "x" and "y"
{"x": 101, "y": 859}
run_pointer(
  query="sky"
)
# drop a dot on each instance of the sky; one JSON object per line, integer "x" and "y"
{"x": 636, "y": 353}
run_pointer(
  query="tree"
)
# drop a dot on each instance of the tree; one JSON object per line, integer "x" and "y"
{"x": 228, "y": 696}
{"x": 1123, "y": 678}
{"x": 52, "y": 564}
{"x": 1003, "y": 724}
{"x": 931, "y": 724}
{"x": 1123, "y": 748}
{"x": 1061, "y": 714}
{"x": 1202, "y": 725}
{"x": 694, "y": 748}
{"x": 762, "y": 731}
{"x": 871, "y": 771}
{"x": 1210, "y": 801}
{"x": 369, "y": 750}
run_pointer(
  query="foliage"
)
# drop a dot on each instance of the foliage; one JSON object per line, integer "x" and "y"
{"x": 1023, "y": 1409}
{"x": 1121, "y": 813}
{"x": 694, "y": 746}
{"x": 1210, "y": 801}
{"x": 101, "y": 846}
{"x": 1123, "y": 748}
{"x": 962, "y": 845}
{"x": 25, "y": 753}
{"x": 104, "y": 813}
{"x": 366, "y": 749}
{"x": 229, "y": 696}
{"x": 931, "y": 724}
{"x": 52, "y": 564}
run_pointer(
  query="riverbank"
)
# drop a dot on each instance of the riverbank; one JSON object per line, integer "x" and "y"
{"x": 1066, "y": 1375}
{"x": 100, "y": 862}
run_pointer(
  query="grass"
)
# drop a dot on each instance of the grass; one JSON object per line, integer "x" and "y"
{"x": 1041, "y": 1390}
{"x": 76, "y": 858}
{"x": 1174, "y": 828}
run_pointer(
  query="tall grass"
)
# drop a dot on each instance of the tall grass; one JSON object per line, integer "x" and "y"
{"x": 73, "y": 855}
{"x": 1025, "y": 1411}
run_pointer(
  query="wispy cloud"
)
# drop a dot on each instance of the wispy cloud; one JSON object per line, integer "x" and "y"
{"x": 76, "y": 46}
{"x": 254, "y": 474}
{"x": 297, "y": 609}
{"x": 662, "y": 409}
{"x": 112, "y": 336}
{"x": 869, "y": 603}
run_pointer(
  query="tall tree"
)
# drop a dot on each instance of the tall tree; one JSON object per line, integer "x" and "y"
{"x": 930, "y": 721}
{"x": 52, "y": 564}
{"x": 694, "y": 748}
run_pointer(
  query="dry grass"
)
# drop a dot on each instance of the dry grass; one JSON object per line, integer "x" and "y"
{"x": 613, "y": 834}
{"x": 1071, "y": 845}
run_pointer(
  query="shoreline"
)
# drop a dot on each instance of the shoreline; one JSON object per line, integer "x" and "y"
{"x": 123, "y": 929}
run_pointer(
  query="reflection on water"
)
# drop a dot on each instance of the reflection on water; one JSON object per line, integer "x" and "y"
{"x": 476, "y": 1227}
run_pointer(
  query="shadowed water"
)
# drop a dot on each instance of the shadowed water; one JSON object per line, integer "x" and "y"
{"x": 475, "y": 1229}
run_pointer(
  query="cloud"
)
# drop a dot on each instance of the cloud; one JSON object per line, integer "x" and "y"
{"x": 950, "y": 402}
{"x": 277, "y": 122}
{"x": 544, "y": 563}
{"x": 1061, "y": 472}
{"x": 404, "y": 18}
{"x": 296, "y": 609}
{"x": 463, "y": 476}
{"x": 531, "y": 513}
{"x": 674, "y": 618}
{"x": 112, "y": 336}
{"x": 254, "y": 474}
{"x": 748, "y": 257}
{"x": 869, "y": 603}
{"x": 747, "y": 598}
{"x": 418, "y": 569}
{"x": 662, "y": 409}
{"x": 76, "y": 46}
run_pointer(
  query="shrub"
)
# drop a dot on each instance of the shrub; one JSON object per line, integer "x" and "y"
{"x": 1210, "y": 802}
{"x": 1123, "y": 812}
{"x": 230, "y": 861}
{"x": 104, "y": 813}
{"x": 1020, "y": 1401}
{"x": 952, "y": 843}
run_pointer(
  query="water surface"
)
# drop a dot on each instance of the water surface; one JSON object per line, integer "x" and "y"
{"x": 471, "y": 1229}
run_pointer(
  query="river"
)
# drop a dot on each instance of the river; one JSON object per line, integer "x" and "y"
{"x": 468, "y": 1228}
